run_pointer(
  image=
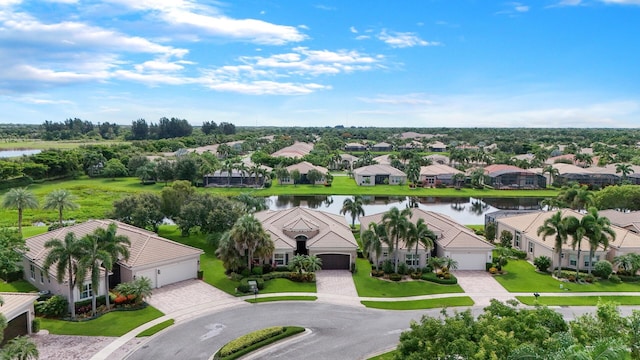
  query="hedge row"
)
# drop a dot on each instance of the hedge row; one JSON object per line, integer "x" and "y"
{"x": 433, "y": 277}
{"x": 241, "y": 351}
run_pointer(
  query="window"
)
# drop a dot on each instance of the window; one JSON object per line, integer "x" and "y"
{"x": 32, "y": 271}
{"x": 573, "y": 260}
{"x": 528, "y": 181}
{"x": 531, "y": 245}
{"x": 412, "y": 259}
{"x": 594, "y": 260}
{"x": 86, "y": 291}
{"x": 561, "y": 255}
{"x": 517, "y": 239}
{"x": 278, "y": 259}
{"x": 385, "y": 254}
{"x": 41, "y": 276}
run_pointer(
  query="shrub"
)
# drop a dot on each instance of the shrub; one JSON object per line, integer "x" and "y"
{"x": 395, "y": 277}
{"x": 416, "y": 275}
{"x": 519, "y": 254}
{"x": 505, "y": 238}
{"x": 542, "y": 263}
{"x": 387, "y": 267}
{"x": 35, "y": 325}
{"x": 302, "y": 277}
{"x": 55, "y": 307}
{"x": 490, "y": 232}
{"x": 488, "y": 266}
{"x": 353, "y": 268}
{"x": 427, "y": 269}
{"x": 245, "y": 272}
{"x": 377, "y": 273}
{"x": 403, "y": 269}
{"x": 493, "y": 270}
{"x": 282, "y": 268}
{"x": 249, "y": 339}
{"x": 603, "y": 269}
{"x": 257, "y": 270}
{"x": 432, "y": 277}
{"x": 235, "y": 276}
{"x": 615, "y": 279}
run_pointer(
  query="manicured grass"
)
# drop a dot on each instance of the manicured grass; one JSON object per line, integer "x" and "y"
{"x": 419, "y": 304}
{"x": 521, "y": 277}
{"x": 29, "y": 231}
{"x": 17, "y": 286}
{"x": 368, "y": 286}
{"x": 286, "y": 285}
{"x": 214, "y": 271}
{"x": 156, "y": 328}
{"x": 115, "y": 323}
{"x": 391, "y": 355}
{"x": 578, "y": 300}
{"x": 282, "y": 298}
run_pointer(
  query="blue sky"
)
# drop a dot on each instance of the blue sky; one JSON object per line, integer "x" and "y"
{"x": 413, "y": 63}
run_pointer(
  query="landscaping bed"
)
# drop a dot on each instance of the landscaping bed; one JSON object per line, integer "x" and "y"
{"x": 255, "y": 340}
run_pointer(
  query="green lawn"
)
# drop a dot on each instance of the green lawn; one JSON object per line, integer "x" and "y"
{"x": 420, "y": 304}
{"x": 368, "y": 286}
{"x": 214, "y": 271}
{"x": 115, "y": 323}
{"x": 521, "y": 277}
{"x": 578, "y": 300}
{"x": 156, "y": 328}
{"x": 29, "y": 231}
{"x": 17, "y": 286}
{"x": 391, "y": 355}
{"x": 282, "y": 298}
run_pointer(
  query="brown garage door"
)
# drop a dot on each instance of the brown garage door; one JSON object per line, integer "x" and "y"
{"x": 334, "y": 261}
{"x": 16, "y": 327}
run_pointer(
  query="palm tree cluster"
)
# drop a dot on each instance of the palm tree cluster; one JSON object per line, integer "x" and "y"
{"x": 76, "y": 258}
{"x": 246, "y": 240}
{"x": 394, "y": 228}
{"x": 21, "y": 199}
{"x": 594, "y": 228}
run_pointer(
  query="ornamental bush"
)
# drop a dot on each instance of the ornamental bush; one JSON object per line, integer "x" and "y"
{"x": 603, "y": 269}
{"x": 542, "y": 263}
{"x": 55, "y": 307}
{"x": 249, "y": 339}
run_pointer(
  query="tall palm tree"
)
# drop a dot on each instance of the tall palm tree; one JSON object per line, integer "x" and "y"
{"x": 60, "y": 200}
{"x": 92, "y": 261}
{"x": 353, "y": 207}
{"x": 249, "y": 237}
{"x": 228, "y": 166}
{"x": 373, "y": 239}
{"x": 20, "y": 199}
{"x": 117, "y": 246}
{"x": 555, "y": 225}
{"x": 419, "y": 233}
{"x": 625, "y": 169}
{"x": 599, "y": 233}
{"x": 577, "y": 229}
{"x": 397, "y": 224}
{"x": 553, "y": 172}
{"x": 65, "y": 255}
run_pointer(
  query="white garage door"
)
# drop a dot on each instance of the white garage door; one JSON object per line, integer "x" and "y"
{"x": 173, "y": 273}
{"x": 469, "y": 261}
{"x": 149, "y": 273}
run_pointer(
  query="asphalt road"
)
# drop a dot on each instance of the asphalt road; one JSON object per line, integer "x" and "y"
{"x": 338, "y": 332}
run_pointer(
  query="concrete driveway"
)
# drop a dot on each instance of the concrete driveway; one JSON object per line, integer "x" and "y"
{"x": 481, "y": 287}
{"x": 336, "y": 286}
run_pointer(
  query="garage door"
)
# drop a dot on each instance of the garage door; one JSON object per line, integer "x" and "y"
{"x": 16, "y": 327}
{"x": 173, "y": 273}
{"x": 150, "y": 274}
{"x": 469, "y": 261}
{"x": 335, "y": 261}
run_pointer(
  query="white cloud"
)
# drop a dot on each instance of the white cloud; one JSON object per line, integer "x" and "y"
{"x": 40, "y": 101}
{"x": 208, "y": 20}
{"x": 363, "y": 37}
{"x": 9, "y": 2}
{"x": 403, "y": 39}
{"x": 514, "y": 8}
{"x": 569, "y": 3}
{"x": 325, "y": 7}
{"x": 406, "y": 99}
{"x": 622, "y": 2}
{"x": 353, "y": 30}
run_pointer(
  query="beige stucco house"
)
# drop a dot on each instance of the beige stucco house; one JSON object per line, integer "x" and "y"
{"x": 379, "y": 174}
{"x": 303, "y": 231}
{"x": 19, "y": 313}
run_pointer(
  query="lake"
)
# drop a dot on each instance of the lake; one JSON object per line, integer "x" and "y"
{"x": 465, "y": 210}
{"x": 18, "y": 153}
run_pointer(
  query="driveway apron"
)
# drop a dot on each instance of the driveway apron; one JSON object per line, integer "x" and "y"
{"x": 481, "y": 287}
{"x": 336, "y": 286}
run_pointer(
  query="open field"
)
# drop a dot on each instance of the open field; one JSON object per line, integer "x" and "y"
{"x": 96, "y": 195}
{"x": 44, "y": 145}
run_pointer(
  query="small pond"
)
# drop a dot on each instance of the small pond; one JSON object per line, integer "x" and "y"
{"x": 18, "y": 152}
{"x": 465, "y": 210}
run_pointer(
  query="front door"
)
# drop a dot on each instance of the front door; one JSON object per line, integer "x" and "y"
{"x": 301, "y": 245}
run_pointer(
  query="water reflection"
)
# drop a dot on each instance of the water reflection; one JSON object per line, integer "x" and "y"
{"x": 465, "y": 210}
{"x": 18, "y": 153}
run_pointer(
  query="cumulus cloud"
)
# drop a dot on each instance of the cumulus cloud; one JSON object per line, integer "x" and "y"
{"x": 403, "y": 39}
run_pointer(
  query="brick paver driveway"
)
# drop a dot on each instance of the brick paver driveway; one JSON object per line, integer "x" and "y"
{"x": 336, "y": 286}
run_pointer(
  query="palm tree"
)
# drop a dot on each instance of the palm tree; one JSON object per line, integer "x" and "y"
{"x": 373, "y": 239}
{"x": 140, "y": 288}
{"x": 450, "y": 263}
{"x": 553, "y": 172}
{"x": 228, "y": 166}
{"x": 243, "y": 170}
{"x": 20, "y": 348}
{"x": 458, "y": 179}
{"x": 419, "y": 233}
{"x": 228, "y": 254}
{"x": 555, "y": 225}
{"x": 249, "y": 237}
{"x": 313, "y": 264}
{"x": 577, "y": 229}
{"x": 629, "y": 262}
{"x": 117, "y": 246}
{"x": 625, "y": 169}
{"x": 353, "y": 207}
{"x": 20, "y": 199}
{"x": 65, "y": 254}
{"x": 599, "y": 233}
{"x": 397, "y": 224}
{"x": 93, "y": 259}
{"x": 60, "y": 199}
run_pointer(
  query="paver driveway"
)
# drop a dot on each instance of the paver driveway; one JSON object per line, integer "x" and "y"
{"x": 481, "y": 287}
{"x": 336, "y": 286}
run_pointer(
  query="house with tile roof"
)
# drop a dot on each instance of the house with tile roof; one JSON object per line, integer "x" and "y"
{"x": 435, "y": 174}
{"x": 381, "y": 147}
{"x": 19, "y": 312}
{"x": 379, "y": 174}
{"x": 438, "y": 146}
{"x": 296, "y": 151}
{"x": 161, "y": 260}
{"x": 524, "y": 229}
{"x": 627, "y": 220}
{"x": 355, "y": 147}
{"x": 303, "y": 231}
{"x": 304, "y": 168}
{"x": 453, "y": 240}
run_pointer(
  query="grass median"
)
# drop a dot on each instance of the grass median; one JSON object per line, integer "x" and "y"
{"x": 420, "y": 304}
{"x": 578, "y": 300}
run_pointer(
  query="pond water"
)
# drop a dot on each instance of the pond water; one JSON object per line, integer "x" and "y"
{"x": 465, "y": 210}
{"x": 18, "y": 152}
